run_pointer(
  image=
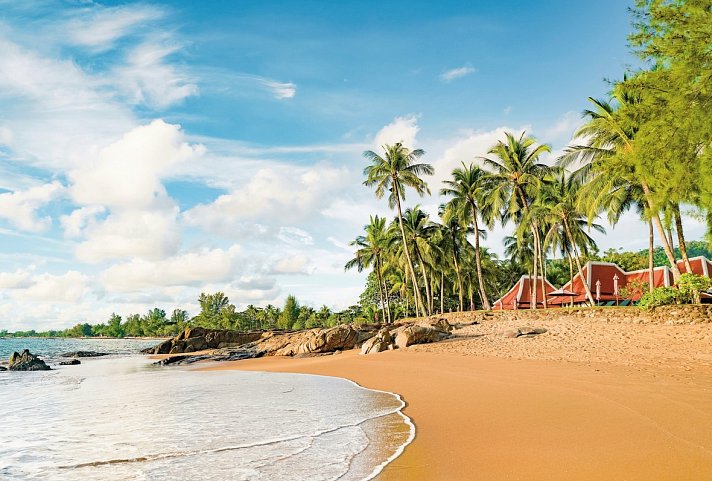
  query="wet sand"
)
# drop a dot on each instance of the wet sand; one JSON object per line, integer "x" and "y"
{"x": 571, "y": 404}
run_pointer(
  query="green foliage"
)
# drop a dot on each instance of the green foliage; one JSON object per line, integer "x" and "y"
{"x": 660, "y": 296}
{"x": 690, "y": 286}
{"x": 628, "y": 261}
{"x": 290, "y": 313}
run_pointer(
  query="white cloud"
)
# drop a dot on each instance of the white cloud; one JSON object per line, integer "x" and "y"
{"x": 127, "y": 173}
{"x": 456, "y": 73}
{"x": 402, "y": 129}
{"x": 68, "y": 287}
{"x": 20, "y": 279}
{"x": 149, "y": 234}
{"x": 191, "y": 268}
{"x": 101, "y": 26}
{"x": 281, "y": 90}
{"x": 147, "y": 78}
{"x": 78, "y": 219}
{"x": 294, "y": 236}
{"x": 563, "y": 129}
{"x": 293, "y": 264}
{"x": 273, "y": 196}
{"x": 20, "y": 208}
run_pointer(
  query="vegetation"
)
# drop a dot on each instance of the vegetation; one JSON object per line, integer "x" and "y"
{"x": 646, "y": 148}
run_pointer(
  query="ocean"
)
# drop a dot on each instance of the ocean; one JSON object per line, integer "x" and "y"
{"x": 122, "y": 418}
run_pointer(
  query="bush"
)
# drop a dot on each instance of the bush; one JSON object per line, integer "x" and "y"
{"x": 660, "y": 296}
{"x": 690, "y": 286}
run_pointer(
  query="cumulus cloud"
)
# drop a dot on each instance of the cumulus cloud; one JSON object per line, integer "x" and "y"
{"x": 402, "y": 129}
{"x": 274, "y": 195}
{"x": 74, "y": 222}
{"x": 187, "y": 269}
{"x": 293, "y": 264}
{"x": 68, "y": 287}
{"x": 20, "y": 208}
{"x": 127, "y": 173}
{"x": 456, "y": 73}
{"x": 20, "y": 279}
{"x": 563, "y": 129}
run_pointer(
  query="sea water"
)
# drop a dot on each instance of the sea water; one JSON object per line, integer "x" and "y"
{"x": 124, "y": 418}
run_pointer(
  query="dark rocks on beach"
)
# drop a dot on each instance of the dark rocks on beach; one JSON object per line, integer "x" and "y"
{"x": 71, "y": 362}
{"x": 198, "y": 339}
{"x": 84, "y": 354}
{"x": 525, "y": 331}
{"x": 3, "y": 368}
{"x": 26, "y": 362}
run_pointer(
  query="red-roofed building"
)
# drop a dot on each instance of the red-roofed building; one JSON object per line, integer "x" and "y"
{"x": 520, "y": 296}
{"x": 607, "y": 282}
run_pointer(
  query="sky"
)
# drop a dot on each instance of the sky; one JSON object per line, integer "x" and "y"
{"x": 153, "y": 151}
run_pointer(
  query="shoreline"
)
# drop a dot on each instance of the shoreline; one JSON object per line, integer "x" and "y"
{"x": 531, "y": 419}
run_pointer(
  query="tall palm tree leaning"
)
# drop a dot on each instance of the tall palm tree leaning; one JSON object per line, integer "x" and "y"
{"x": 396, "y": 170}
{"x": 468, "y": 189}
{"x": 516, "y": 179}
{"x": 370, "y": 253}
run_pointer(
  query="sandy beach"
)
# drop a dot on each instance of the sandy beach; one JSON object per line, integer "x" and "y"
{"x": 588, "y": 400}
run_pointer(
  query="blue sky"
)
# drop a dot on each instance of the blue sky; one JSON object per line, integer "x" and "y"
{"x": 151, "y": 151}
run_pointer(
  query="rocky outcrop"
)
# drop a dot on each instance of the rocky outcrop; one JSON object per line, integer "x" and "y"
{"x": 525, "y": 331}
{"x": 418, "y": 334}
{"x": 198, "y": 339}
{"x": 26, "y": 362}
{"x": 382, "y": 341}
{"x": 71, "y": 362}
{"x": 3, "y": 368}
{"x": 84, "y": 354}
{"x": 232, "y": 345}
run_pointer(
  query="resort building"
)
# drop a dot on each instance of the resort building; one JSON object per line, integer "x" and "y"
{"x": 609, "y": 285}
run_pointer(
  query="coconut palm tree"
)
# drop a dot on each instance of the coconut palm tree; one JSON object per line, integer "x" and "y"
{"x": 454, "y": 233}
{"x": 393, "y": 173}
{"x": 468, "y": 188}
{"x": 370, "y": 253}
{"x": 609, "y": 134}
{"x": 517, "y": 176}
{"x": 560, "y": 199}
{"x": 419, "y": 230}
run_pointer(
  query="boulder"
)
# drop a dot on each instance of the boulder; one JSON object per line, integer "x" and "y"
{"x": 84, "y": 354}
{"x": 525, "y": 331}
{"x": 382, "y": 341}
{"x": 418, "y": 334}
{"x": 26, "y": 362}
{"x": 3, "y": 368}
{"x": 71, "y": 362}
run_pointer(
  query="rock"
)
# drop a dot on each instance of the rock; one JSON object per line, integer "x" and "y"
{"x": 382, "y": 341}
{"x": 71, "y": 362}
{"x": 525, "y": 331}
{"x": 84, "y": 354}
{"x": 198, "y": 339}
{"x": 418, "y": 334}
{"x": 26, "y": 362}
{"x": 3, "y": 368}
{"x": 436, "y": 322}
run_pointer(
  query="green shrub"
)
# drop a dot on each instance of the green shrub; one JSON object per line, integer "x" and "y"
{"x": 690, "y": 286}
{"x": 660, "y": 296}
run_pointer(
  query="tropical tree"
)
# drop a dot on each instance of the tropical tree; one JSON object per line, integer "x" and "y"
{"x": 370, "y": 253}
{"x": 468, "y": 189}
{"x": 394, "y": 172}
{"x": 517, "y": 177}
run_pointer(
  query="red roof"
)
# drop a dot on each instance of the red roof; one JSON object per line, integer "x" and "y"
{"x": 519, "y": 296}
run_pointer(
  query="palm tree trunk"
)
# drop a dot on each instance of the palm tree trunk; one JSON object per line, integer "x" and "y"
{"x": 425, "y": 281}
{"x": 681, "y": 237}
{"x": 661, "y": 231}
{"x": 384, "y": 295}
{"x": 578, "y": 264}
{"x": 571, "y": 271}
{"x": 478, "y": 260}
{"x": 533, "y": 299}
{"x": 418, "y": 299}
{"x": 459, "y": 280}
{"x": 543, "y": 275}
{"x": 380, "y": 290}
{"x": 651, "y": 256}
{"x": 442, "y": 292}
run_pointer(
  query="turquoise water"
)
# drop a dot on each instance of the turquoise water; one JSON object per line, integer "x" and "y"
{"x": 123, "y": 418}
{"x": 50, "y": 349}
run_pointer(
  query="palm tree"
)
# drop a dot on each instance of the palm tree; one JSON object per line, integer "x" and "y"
{"x": 454, "y": 233}
{"x": 561, "y": 198}
{"x": 468, "y": 189}
{"x": 610, "y": 133}
{"x": 516, "y": 179}
{"x": 370, "y": 253}
{"x": 418, "y": 230}
{"x": 392, "y": 173}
